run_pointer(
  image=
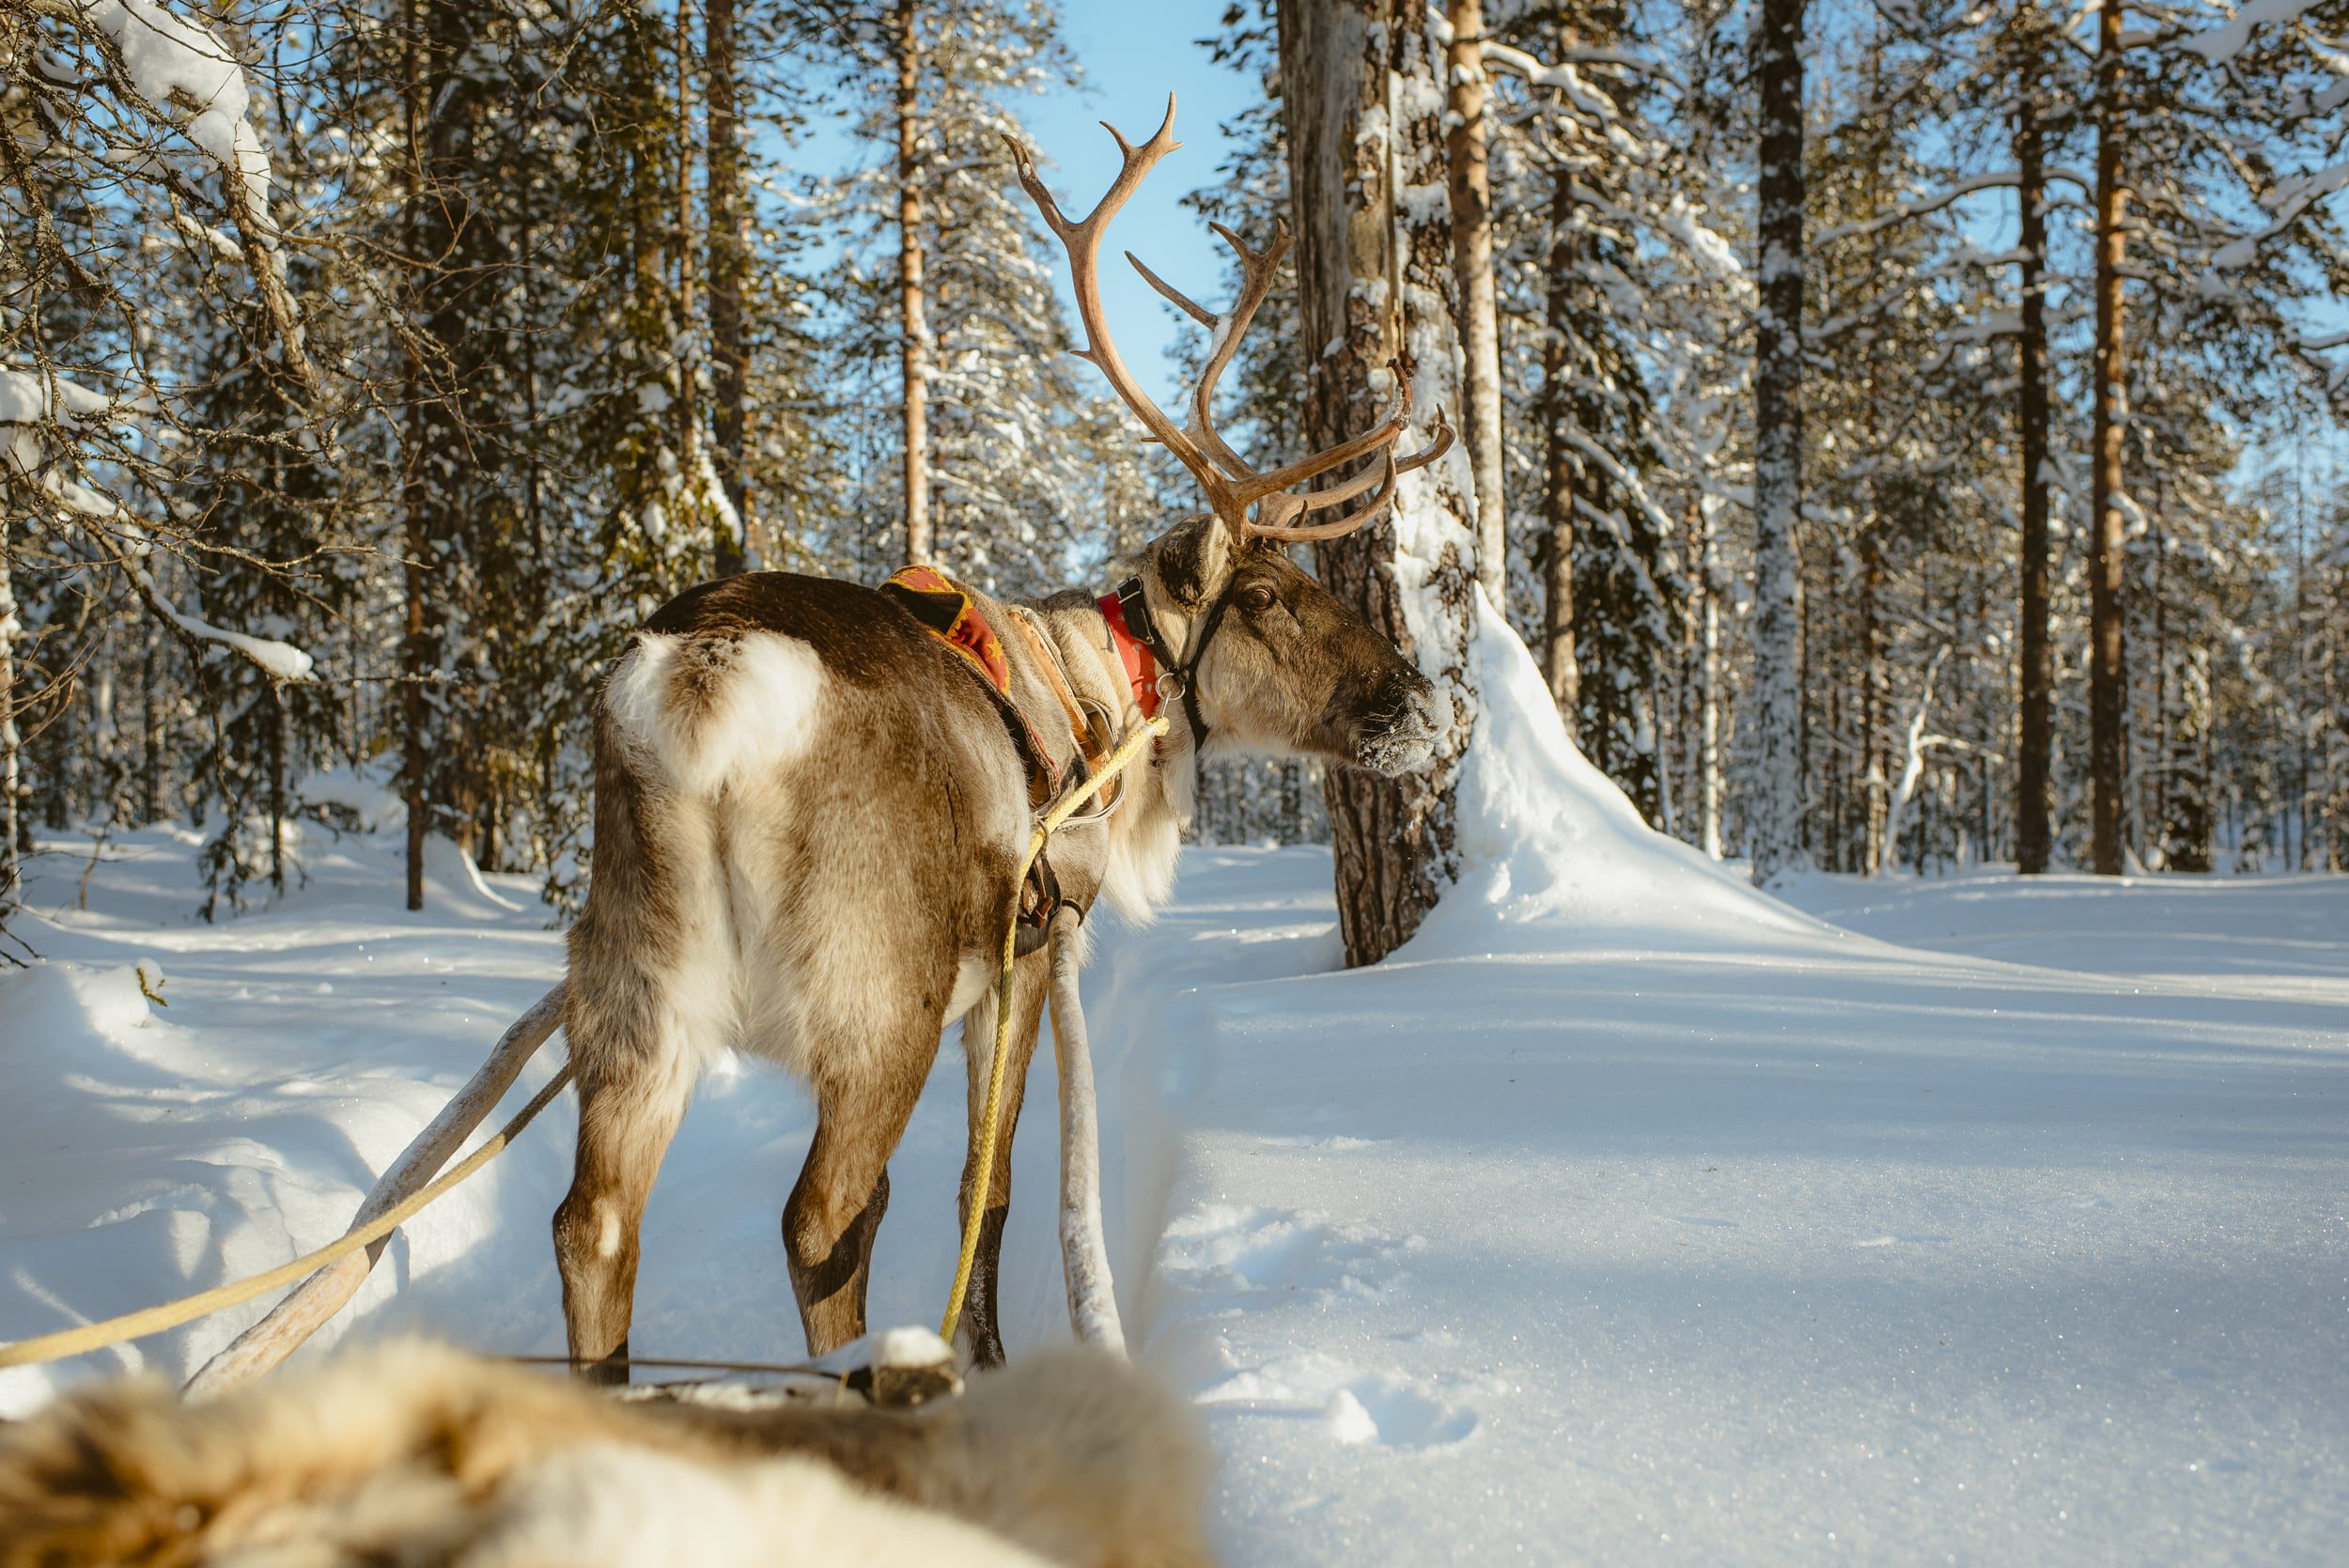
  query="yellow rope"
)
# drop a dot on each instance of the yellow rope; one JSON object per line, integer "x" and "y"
{"x": 154, "y": 1320}
{"x": 1118, "y": 760}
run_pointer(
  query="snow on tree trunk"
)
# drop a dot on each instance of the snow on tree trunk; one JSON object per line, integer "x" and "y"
{"x": 1472, "y": 272}
{"x": 2032, "y": 798}
{"x": 729, "y": 265}
{"x": 1912, "y": 769}
{"x": 912, "y": 326}
{"x": 2107, "y": 687}
{"x": 1365, "y": 112}
{"x": 1774, "y": 805}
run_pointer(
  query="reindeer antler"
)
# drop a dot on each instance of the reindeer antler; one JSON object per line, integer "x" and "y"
{"x": 1232, "y": 485}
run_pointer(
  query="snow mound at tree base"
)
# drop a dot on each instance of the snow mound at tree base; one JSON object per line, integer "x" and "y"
{"x": 1548, "y": 841}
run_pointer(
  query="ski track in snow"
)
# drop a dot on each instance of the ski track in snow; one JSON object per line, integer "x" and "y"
{"x": 1624, "y": 1217}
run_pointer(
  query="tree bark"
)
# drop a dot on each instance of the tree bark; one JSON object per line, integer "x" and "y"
{"x": 689, "y": 433}
{"x": 1558, "y": 471}
{"x": 11, "y": 743}
{"x": 913, "y": 328}
{"x": 1775, "y": 800}
{"x": 2034, "y": 744}
{"x": 1472, "y": 276}
{"x": 1364, "y": 119}
{"x": 1876, "y": 691}
{"x": 729, "y": 265}
{"x": 153, "y": 721}
{"x": 2108, "y": 688}
{"x": 415, "y": 655}
{"x": 1709, "y": 722}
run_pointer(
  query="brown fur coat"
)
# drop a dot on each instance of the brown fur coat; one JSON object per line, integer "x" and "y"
{"x": 411, "y": 1454}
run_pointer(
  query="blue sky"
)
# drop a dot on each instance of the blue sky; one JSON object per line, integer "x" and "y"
{"x": 1132, "y": 55}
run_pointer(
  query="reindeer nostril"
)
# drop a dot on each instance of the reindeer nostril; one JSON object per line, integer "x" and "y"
{"x": 1397, "y": 730}
{"x": 1435, "y": 706}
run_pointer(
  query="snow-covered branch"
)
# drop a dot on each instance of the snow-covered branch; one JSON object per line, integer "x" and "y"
{"x": 176, "y": 71}
{"x": 2219, "y": 45}
{"x": 36, "y": 412}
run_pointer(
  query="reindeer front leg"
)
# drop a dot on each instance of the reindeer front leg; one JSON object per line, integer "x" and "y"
{"x": 1029, "y": 984}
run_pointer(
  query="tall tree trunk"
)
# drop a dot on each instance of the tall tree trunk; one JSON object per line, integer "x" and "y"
{"x": 2155, "y": 813}
{"x": 729, "y": 266}
{"x": 913, "y": 328}
{"x": 1479, "y": 302}
{"x": 2107, "y": 685}
{"x": 416, "y": 659}
{"x": 1775, "y": 800}
{"x": 277, "y": 744}
{"x": 1875, "y": 696}
{"x": 689, "y": 431}
{"x": 1364, "y": 121}
{"x": 153, "y": 721}
{"x": 1558, "y": 467}
{"x": 1709, "y": 724}
{"x": 2034, "y": 745}
{"x": 11, "y": 741}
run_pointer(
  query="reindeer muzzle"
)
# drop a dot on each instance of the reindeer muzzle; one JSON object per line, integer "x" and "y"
{"x": 1399, "y": 736}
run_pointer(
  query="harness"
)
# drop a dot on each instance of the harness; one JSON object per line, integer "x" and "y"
{"x": 947, "y": 612}
{"x": 1140, "y": 646}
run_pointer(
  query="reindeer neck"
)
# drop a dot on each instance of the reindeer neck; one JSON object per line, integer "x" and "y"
{"x": 1157, "y": 806}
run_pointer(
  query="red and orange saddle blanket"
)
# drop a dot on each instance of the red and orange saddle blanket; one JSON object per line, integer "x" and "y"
{"x": 947, "y": 612}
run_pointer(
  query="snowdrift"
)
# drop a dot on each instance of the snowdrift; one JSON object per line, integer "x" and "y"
{"x": 1548, "y": 840}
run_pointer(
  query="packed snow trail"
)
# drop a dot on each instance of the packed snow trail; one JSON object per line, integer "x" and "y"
{"x": 1626, "y": 1216}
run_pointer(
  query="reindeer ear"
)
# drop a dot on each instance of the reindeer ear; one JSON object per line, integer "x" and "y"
{"x": 1193, "y": 559}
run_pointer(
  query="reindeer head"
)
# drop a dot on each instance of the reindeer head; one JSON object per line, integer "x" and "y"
{"x": 1267, "y": 655}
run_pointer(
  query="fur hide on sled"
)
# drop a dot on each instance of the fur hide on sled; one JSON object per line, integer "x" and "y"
{"x": 412, "y": 1455}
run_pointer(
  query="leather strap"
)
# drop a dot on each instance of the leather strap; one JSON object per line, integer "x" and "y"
{"x": 1048, "y": 657}
{"x": 1137, "y": 646}
{"x": 1128, "y": 614}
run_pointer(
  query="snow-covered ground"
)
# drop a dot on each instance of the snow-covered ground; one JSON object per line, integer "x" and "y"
{"x": 1626, "y": 1215}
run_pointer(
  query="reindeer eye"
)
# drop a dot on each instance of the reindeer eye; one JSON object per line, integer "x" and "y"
{"x": 1257, "y": 597}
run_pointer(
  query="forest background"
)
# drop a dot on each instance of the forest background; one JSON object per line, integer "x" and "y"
{"x": 369, "y": 367}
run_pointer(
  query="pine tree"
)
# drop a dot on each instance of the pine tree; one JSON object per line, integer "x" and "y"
{"x": 1774, "y": 807}
{"x": 1479, "y": 309}
{"x": 1351, "y": 158}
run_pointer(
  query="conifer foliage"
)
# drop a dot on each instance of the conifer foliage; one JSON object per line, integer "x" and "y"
{"x": 1902, "y": 433}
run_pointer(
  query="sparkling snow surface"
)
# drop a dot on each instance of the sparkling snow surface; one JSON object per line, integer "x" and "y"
{"x": 1624, "y": 1217}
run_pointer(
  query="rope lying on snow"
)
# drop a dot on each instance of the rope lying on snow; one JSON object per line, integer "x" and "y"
{"x": 171, "y": 1314}
{"x": 304, "y": 1309}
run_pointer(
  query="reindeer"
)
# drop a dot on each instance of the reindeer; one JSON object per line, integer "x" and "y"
{"x": 809, "y": 816}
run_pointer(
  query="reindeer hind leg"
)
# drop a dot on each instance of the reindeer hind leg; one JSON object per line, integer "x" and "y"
{"x": 835, "y": 1207}
{"x": 625, "y": 1122}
